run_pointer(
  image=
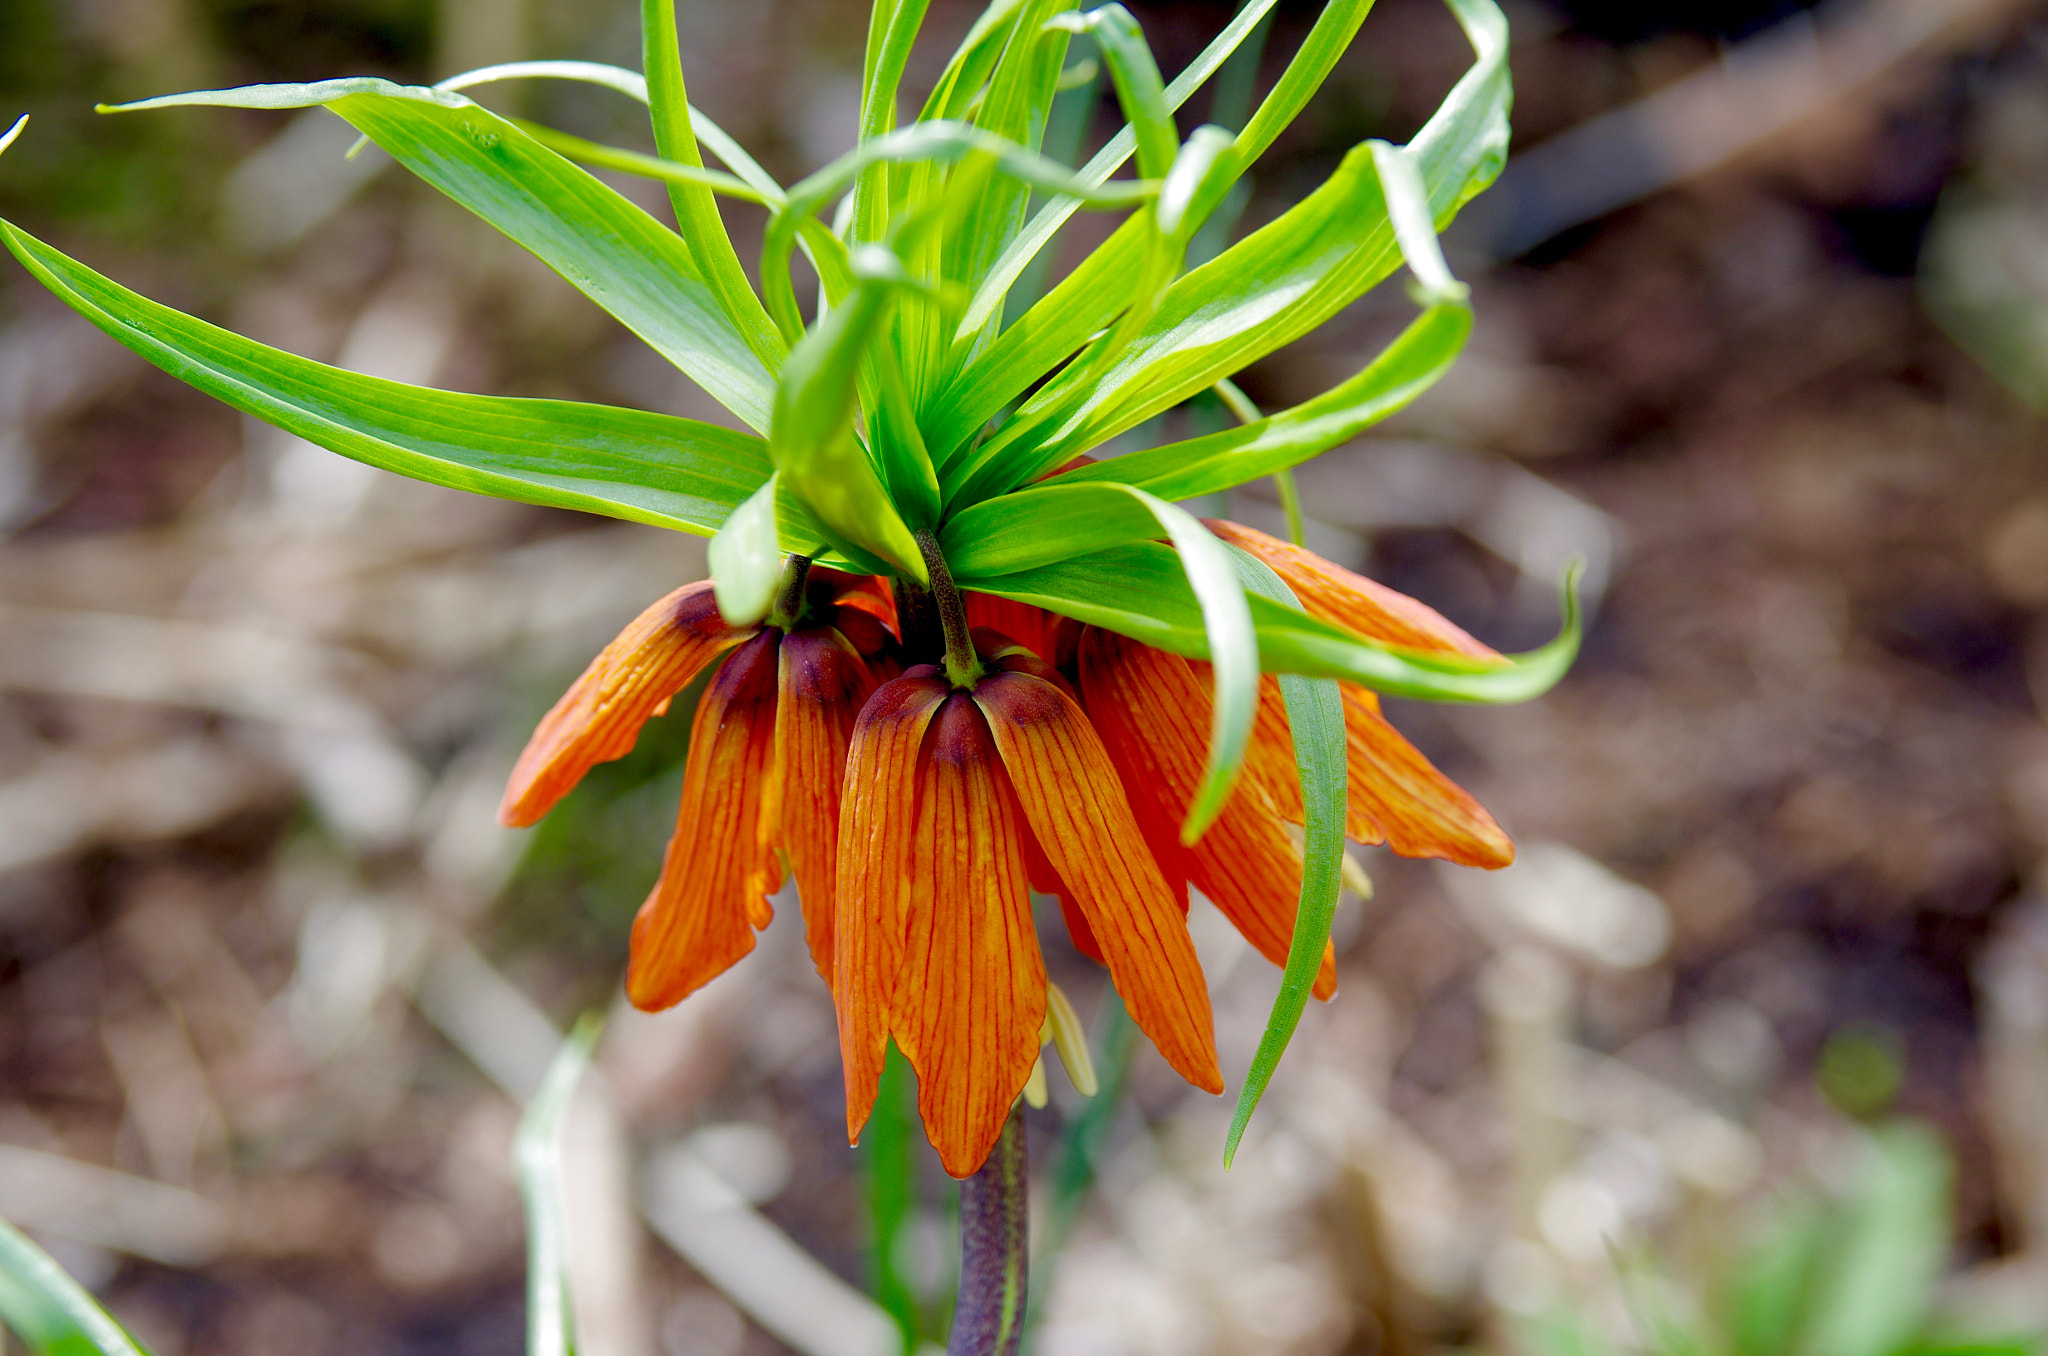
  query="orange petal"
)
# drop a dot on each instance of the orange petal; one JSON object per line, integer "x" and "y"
{"x": 1153, "y": 712}
{"x": 1077, "y": 809}
{"x": 600, "y": 715}
{"x": 1269, "y": 764}
{"x": 1423, "y": 812}
{"x": 1336, "y": 594}
{"x": 867, "y": 592}
{"x": 719, "y": 868}
{"x": 969, "y": 1000}
{"x": 1038, "y": 869}
{"x": 877, "y": 815}
{"x": 821, "y": 684}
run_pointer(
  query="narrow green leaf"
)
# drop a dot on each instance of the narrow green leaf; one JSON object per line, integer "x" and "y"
{"x": 967, "y": 70}
{"x": 942, "y": 142}
{"x": 613, "y": 252}
{"x": 633, "y": 85}
{"x": 48, "y": 1310}
{"x": 1315, "y": 716}
{"x": 1043, "y": 336}
{"x": 674, "y": 173}
{"x": 1186, "y": 195}
{"x": 1274, "y": 285}
{"x": 1014, "y": 106}
{"x": 1879, "y": 1281}
{"x": 1186, "y": 470}
{"x": 888, "y": 1151}
{"x": 537, "y": 1149}
{"x": 696, "y": 210}
{"x": 812, "y": 440}
{"x": 746, "y": 558}
{"x": 1408, "y": 212}
{"x": 1233, "y": 656}
{"x": 892, "y": 32}
{"x": 647, "y": 468}
{"x": 1312, "y": 63}
{"x": 1138, "y": 85}
{"x": 1773, "y": 1287}
{"x": 1139, "y": 590}
{"x": 1284, "y": 487}
{"x": 988, "y": 298}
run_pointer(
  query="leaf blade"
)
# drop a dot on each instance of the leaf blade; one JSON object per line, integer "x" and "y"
{"x": 605, "y": 246}
{"x": 51, "y": 1312}
{"x": 1315, "y": 716}
{"x": 1137, "y": 590}
{"x": 643, "y": 467}
{"x": 537, "y": 1152}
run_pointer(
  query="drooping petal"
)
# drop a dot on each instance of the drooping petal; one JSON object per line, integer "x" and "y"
{"x": 1038, "y": 869}
{"x": 1153, "y": 713}
{"x": 821, "y": 684}
{"x": 1420, "y": 812}
{"x": 630, "y": 681}
{"x": 1336, "y": 594}
{"x": 719, "y": 868}
{"x": 969, "y": 1000}
{"x": 877, "y": 819}
{"x": 1077, "y": 809}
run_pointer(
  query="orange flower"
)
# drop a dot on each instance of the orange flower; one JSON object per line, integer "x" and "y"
{"x": 1153, "y": 710}
{"x": 950, "y": 794}
{"x": 767, "y": 749}
{"x": 1396, "y": 796}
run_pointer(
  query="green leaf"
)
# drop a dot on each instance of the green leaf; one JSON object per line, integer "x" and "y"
{"x": 812, "y": 440}
{"x": 1408, "y": 212}
{"x": 888, "y": 1152}
{"x": 1186, "y": 195}
{"x": 696, "y": 210}
{"x": 746, "y": 558}
{"x": 537, "y": 1150}
{"x": 1270, "y": 288}
{"x": 1045, "y": 335}
{"x": 613, "y": 252}
{"x": 1312, "y": 63}
{"x": 1315, "y": 716}
{"x": 1773, "y": 1284}
{"x": 967, "y": 70}
{"x": 674, "y": 173}
{"x": 892, "y": 32}
{"x": 1138, "y": 85}
{"x": 48, "y": 1310}
{"x": 1138, "y": 590}
{"x": 988, "y": 298}
{"x": 647, "y": 468}
{"x": 1893, "y": 1245}
{"x": 1186, "y": 470}
{"x": 633, "y": 85}
{"x": 1014, "y": 106}
{"x": 942, "y": 142}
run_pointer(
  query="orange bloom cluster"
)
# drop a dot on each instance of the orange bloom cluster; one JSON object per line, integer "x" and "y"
{"x": 918, "y": 817}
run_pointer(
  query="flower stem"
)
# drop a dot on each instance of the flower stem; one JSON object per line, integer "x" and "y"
{"x": 989, "y": 1317}
{"x": 963, "y": 669}
{"x": 788, "y": 612}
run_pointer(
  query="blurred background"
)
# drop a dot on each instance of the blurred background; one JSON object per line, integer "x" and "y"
{"x": 1748, "y": 1053}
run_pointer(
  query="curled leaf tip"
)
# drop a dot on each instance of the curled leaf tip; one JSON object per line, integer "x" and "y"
{"x": 7, "y": 138}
